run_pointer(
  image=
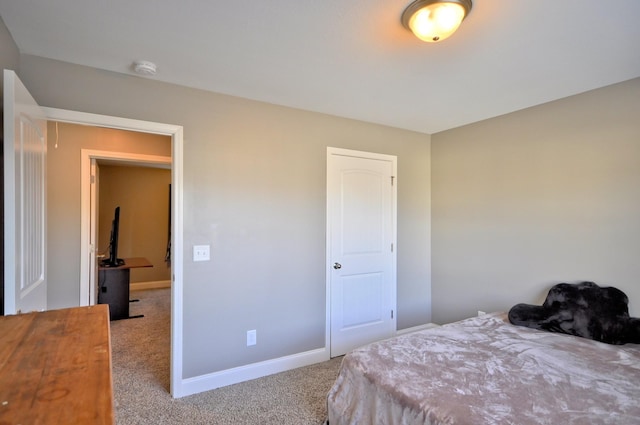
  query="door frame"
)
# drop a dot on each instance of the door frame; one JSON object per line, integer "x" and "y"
{"x": 394, "y": 238}
{"x": 88, "y": 211}
{"x": 177, "y": 231}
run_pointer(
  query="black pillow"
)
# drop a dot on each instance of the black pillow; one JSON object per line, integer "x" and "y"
{"x": 582, "y": 309}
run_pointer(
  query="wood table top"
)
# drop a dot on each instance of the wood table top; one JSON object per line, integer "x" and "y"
{"x": 55, "y": 367}
{"x": 130, "y": 263}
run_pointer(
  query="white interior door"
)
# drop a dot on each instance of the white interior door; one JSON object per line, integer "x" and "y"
{"x": 25, "y": 149}
{"x": 361, "y": 197}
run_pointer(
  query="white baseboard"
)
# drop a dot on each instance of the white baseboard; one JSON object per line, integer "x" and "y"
{"x": 235, "y": 375}
{"x": 157, "y": 284}
{"x": 416, "y": 328}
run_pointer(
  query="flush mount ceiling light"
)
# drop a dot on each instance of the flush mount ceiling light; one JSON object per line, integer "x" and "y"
{"x": 144, "y": 68}
{"x": 435, "y": 20}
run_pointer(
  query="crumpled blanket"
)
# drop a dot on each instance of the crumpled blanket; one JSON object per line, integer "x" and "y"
{"x": 484, "y": 370}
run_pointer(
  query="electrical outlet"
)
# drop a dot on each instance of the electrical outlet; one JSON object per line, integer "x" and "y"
{"x": 251, "y": 337}
{"x": 201, "y": 253}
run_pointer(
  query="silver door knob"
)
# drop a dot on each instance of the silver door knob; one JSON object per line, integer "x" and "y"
{"x": 337, "y": 266}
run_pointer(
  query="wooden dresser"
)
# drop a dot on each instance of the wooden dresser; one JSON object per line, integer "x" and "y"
{"x": 55, "y": 367}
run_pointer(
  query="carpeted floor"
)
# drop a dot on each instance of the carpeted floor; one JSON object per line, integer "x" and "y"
{"x": 141, "y": 380}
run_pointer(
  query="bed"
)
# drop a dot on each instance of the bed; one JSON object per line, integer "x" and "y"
{"x": 484, "y": 370}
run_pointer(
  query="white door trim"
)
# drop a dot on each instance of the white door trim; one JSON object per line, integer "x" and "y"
{"x": 177, "y": 231}
{"x": 88, "y": 213}
{"x": 394, "y": 238}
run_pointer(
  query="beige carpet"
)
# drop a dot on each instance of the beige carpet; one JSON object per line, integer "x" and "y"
{"x": 141, "y": 380}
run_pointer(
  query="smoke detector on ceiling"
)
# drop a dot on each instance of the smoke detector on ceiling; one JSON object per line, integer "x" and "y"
{"x": 145, "y": 68}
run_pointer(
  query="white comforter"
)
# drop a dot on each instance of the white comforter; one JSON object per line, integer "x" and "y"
{"x": 486, "y": 371}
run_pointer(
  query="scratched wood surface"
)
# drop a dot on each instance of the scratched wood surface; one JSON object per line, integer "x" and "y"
{"x": 55, "y": 367}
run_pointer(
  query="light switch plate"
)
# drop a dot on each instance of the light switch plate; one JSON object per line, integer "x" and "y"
{"x": 201, "y": 253}
{"x": 251, "y": 337}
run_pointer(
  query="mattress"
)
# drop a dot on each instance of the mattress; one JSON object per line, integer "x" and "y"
{"x": 485, "y": 370}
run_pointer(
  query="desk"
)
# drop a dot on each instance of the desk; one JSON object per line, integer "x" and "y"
{"x": 113, "y": 286}
{"x": 56, "y": 367}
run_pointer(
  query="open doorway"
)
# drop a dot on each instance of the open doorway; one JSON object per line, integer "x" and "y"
{"x": 127, "y": 186}
{"x": 176, "y": 148}
{"x": 141, "y": 345}
{"x": 141, "y": 194}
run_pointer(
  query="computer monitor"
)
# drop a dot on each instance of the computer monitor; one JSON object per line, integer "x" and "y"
{"x": 113, "y": 260}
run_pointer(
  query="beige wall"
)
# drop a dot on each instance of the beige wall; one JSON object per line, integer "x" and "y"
{"x": 544, "y": 195}
{"x": 255, "y": 190}
{"x": 9, "y": 55}
{"x": 63, "y": 197}
{"x": 142, "y": 193}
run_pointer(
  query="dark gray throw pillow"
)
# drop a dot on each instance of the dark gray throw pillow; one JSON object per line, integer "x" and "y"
{"x": 582, "y": 309}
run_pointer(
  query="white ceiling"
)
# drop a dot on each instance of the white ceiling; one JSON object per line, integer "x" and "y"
{"x": 350, "y": 58}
